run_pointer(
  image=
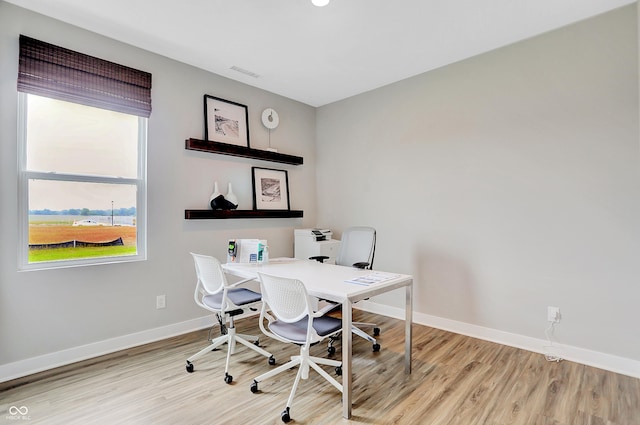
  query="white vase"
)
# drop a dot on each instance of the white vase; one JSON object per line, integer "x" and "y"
{"x": 216, "y": 200}
{"x": 232, "y": 199}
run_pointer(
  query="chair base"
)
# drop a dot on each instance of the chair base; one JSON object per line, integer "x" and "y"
{"x": 359, "y": 332}
{"x": 305, "y": 361}
{"x": 230, "y": 338}
{"x": 333, "y": 307}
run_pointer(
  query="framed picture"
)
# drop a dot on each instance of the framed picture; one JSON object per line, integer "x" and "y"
{"x": 270, "y": 189}
{"x": 225, "y": 121}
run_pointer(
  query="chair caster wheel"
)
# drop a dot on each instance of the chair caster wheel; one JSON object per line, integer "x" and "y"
{"x": 376, "y": 347}
{"x": 189, "y": 367}
{"x": 331, "y": 350}
{"x": 376, "y": 331}
{"x": 339, "y": 370}
{"x": 256, "y": 343}
{"x": 228, "y": 378}
{"x": 272, "y": 361}
{"x": 285, "y": 415}
{"x": 254, "y": 387}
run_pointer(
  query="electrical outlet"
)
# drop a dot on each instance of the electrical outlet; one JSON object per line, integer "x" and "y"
{"x": 161, "y": 302}
{"x": 553, "y": 314}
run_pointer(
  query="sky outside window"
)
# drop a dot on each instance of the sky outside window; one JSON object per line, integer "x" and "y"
{"x": 69, "y": 138}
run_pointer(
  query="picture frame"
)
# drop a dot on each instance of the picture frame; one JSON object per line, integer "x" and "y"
{"x": 225, "y": 121}
{"x": 270, "y": 189}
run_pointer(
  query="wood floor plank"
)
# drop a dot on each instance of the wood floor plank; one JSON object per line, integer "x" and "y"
{"x": 595, "y": 394}
{"x": 504, "y": 374}
{"x": 563, "y": 381}
{"x": 527, "y": 394}
{"x": 456, "y": 380}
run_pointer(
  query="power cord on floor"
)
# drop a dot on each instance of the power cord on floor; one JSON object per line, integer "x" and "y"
{"x": 550, "y": 348}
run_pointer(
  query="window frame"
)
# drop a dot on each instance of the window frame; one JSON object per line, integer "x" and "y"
{"x": 25, "y": 175}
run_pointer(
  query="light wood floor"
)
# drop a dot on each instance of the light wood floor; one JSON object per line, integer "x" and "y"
{"x": 456, "y": 380}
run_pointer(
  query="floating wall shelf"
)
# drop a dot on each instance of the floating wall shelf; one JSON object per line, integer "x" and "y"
{"x": 241, "y": 151}
{"x": 222, "y": 214}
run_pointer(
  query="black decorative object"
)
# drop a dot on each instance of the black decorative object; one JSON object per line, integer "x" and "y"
{"x": 216, "y": 201}
{"x": 231, "y": 198}
{"x": 219, "y": 202}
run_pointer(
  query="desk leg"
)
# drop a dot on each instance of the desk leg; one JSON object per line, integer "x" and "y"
{"x": 408, "y": 321}
{"x": 346, "y": 359}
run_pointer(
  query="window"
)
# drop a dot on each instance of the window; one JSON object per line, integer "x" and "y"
{"x": 82, "y": 160}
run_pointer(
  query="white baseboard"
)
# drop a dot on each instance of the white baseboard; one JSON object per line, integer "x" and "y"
{"x": 576, "y": 354}
{"x": 584, "y": 356}
{"x": 61, "y": 358}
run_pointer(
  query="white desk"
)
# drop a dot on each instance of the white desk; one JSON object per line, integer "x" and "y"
{"x": 327, "y": 281}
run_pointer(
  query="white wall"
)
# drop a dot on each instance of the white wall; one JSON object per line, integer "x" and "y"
{"x": 55, "y": 316}
{"x": 505, "y": 183}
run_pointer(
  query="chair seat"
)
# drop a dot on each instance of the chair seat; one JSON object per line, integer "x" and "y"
{"x": 297, "y": 331}
{"x": 238, "y": 296}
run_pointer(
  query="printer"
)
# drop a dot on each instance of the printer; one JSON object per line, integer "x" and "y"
{"x": 316, "y": 234}
{"x": 314, "y": 242}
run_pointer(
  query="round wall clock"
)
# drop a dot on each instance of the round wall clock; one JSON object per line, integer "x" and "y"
{"x": 270, "y": 118}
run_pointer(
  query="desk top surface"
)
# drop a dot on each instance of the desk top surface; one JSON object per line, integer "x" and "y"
{"x": 322, "y": 280}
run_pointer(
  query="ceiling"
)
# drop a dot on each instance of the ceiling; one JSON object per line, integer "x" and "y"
{"x": 319, "y": 55}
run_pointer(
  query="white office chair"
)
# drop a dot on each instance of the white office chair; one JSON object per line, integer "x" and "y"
{"x": 295, "y": 322}
{"x": 357, "y": 250}
{"x": 213, "y": 293}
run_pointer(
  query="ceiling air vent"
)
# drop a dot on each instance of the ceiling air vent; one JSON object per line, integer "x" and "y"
{"x": 245, "y": 72}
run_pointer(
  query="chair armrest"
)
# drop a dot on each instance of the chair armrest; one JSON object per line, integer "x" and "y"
{"x": 361, "y": 265}
{"x": 319, "y": 258}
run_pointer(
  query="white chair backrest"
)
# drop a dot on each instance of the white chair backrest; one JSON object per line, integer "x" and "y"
{"x": 287, "y": 298}
{"x": 210, "y": 273}
{"x": 358, "y": 245}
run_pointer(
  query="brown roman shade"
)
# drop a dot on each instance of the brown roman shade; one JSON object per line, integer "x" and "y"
{"x": 59, "y": 73}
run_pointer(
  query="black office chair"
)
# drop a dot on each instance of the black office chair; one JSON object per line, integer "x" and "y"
{"x": 356, "y": 250}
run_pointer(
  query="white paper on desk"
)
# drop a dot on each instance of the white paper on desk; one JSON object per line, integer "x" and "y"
{"x": 372, "y": 278}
